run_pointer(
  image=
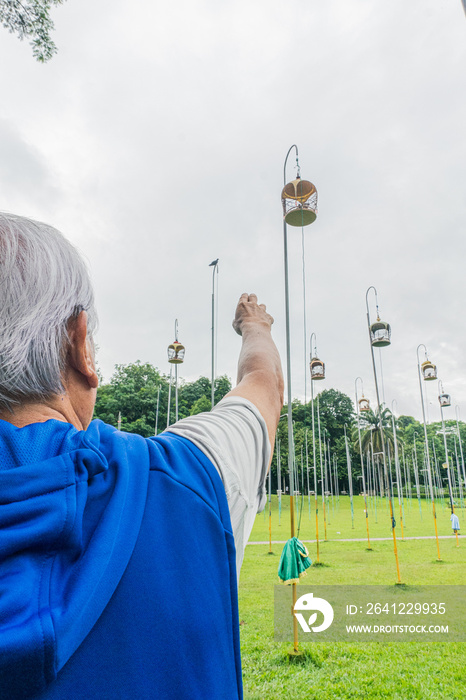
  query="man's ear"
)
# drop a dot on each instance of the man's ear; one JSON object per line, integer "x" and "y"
{"x": 79, "y": 351}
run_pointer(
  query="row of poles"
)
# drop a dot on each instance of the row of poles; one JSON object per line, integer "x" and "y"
{"x": 374, "y": 484}
{"x": 299, "y": 202}
{"x": 370, "y": 488}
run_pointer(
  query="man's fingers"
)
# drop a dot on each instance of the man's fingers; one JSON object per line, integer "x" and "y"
{"x": 248, "y": 311}
{"x": 250, "y": 297}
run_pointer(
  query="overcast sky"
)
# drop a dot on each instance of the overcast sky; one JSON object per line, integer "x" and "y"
{"x": 155, "y": 140}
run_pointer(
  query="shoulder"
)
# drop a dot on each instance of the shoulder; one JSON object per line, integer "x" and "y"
{"x": 176, "y": 459}
{"x": 233, "y": 421}
{"x": 234, "y": 437}
{"x": 173, "y": 461}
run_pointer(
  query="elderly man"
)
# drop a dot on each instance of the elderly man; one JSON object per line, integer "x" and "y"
{"x": 118, "y": 554}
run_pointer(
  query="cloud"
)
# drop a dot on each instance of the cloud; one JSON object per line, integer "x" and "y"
{"x": 24, "y": 172}
{"x": 156, "y": 142}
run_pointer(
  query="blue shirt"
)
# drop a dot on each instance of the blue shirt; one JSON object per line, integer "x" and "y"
{"x": 117, "y": 567}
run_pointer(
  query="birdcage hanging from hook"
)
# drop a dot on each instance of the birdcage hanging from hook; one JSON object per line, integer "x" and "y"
{"x": 444, "y": 400}
{"x": 317, "y": 369}
{"x": 380, "y": 334}
{"x": 428, "y": 370}
{"x": 176, "y": 353}
{"x": 299, "y": 201}
{"x": 176, "y": 350}
{"x": 364, "y": 404}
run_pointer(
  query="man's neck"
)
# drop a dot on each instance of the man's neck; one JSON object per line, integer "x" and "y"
{"x": 59, "y": 408}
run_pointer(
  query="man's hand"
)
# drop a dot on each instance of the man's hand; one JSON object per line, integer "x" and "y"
{"x": 260, "y": 378}
{"x": 249, "y": 312}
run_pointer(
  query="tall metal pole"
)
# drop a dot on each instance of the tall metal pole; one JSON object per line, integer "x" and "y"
{"x": 374, "y": 477}
{"x": 330, "y": 473}
{"x": 416, "y": 474}
{"x": 399, "y": 483}
{"x": 307, "y": 475}
{"x": 370, "y": 485}
{"x": 362, "y": 461}
{"x": 270, "y": 511}
{"x": 321, "y": 471}
{"x": 176, "y": 393}
{"x": 279, "y": 486}
{"x": 316, "y": 500}
{"x": 176, "y": 375}
{"x": 350, "y": 479}
{"x": 460, "y": 485}
{"x": 169, "y": 396}
{"x": 447, "y": 464}
{"x": 457, "y": 411}
{"x": 302, "y": 479}
{"x": 438, "y": 479}
{"x": 157, "y": 412}
{"x": 335, "y": 469}
{"x": 289, "y": 395}
{"x": 388, "y": 481}
{"x": 407, "y": 476}
{"x": 213, "y": 264}
{"x": 279, "y": 482}
{"x": 427, "y": 454}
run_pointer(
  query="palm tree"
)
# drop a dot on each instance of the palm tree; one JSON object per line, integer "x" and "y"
{"x": 373, "y": 430}
{"x": 370, "y": 429}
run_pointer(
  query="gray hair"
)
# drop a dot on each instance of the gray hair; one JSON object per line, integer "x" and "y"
{"x": 43, "y": 284}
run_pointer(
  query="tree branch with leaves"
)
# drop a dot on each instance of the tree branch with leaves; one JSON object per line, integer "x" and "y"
{"x": 30, "y": 19}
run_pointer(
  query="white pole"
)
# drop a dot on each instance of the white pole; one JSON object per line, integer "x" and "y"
{"x": 215, "y": 266}
{"x": 169, "y": 396}
{"x": 157, "y": 412}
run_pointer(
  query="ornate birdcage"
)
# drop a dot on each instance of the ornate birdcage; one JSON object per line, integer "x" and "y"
{"x": 380, "y": 334}
{"x": 428, "y": 370}
{"x": 299, "y": 200}
{"x": 176, "y": 353}
{"x": 444, "y": 400}
{"x": 364, "y": 404}
{"x": 317, "y": 369}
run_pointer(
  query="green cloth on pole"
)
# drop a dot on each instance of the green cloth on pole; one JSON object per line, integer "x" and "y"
{"x": 293, "y": 562}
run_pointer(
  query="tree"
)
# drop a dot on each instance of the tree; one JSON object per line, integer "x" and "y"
{"x": 371, "y": 432}
{"x": 222, "y": 386}
{"x": 199, "y": 392}
{"x": 30, "y": 18}
{"x": 405, "y": 421}
{"x": 190, "y": 392}
{"x": 336, "y": 411}
{"x": 200, "y": 406}
{"x": 133, "y": 392}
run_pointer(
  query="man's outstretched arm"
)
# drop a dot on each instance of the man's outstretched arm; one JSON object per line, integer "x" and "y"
{"x": 260, "y": 377}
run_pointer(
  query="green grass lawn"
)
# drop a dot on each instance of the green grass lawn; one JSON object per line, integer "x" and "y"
{"x": 363, "y": 670}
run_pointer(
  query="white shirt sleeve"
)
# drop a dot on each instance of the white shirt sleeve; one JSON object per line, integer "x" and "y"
{"x": 234, "y": 437}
